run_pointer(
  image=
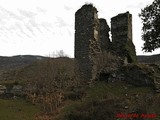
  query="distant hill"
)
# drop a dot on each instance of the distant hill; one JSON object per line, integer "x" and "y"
{"x": 149, "y": 59}
{"x": 8, "y": 63}
{"x": 31, "y": 67}
{"x": 25, "y": 66}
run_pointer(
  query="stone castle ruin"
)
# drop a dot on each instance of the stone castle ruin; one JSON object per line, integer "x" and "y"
{"x": 92, "y": 40}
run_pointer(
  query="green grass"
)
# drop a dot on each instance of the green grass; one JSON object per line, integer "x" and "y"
{"x": 17, "y": 110}
{"x": 101, "y": 99}
{"x": 117, "y": 88}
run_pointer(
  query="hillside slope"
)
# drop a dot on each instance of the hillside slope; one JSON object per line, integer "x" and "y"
{"x": 31, "y": 69}
{"x": 101, "y": 101}
{"x": 7, "y": 63}
{"x": 149, "y": 59}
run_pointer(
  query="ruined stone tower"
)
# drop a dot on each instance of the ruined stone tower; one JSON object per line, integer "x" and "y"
{"x": 121, "y": 29}
{"x": 87, "y": 41}
{"x": 105, "y": 43}
{"x": 92, "y": 42}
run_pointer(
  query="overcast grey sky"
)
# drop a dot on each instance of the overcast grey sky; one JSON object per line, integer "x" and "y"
{"x": 40, "y": 27}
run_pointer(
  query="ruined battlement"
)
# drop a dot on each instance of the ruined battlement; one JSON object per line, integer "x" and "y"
{"x": 92, "y": 40}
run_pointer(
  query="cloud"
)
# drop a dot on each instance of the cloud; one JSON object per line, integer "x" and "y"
{"x": 29, "y": 28}
{"x": 12, "y": 23}
{"x": 34, "y": 24}
{"x": 41, "y": 10}
{"x": 47, "y": 26}
{"x": 67, "y": 8}
{"x": 22, "y": 22}
{"x": 27, "y": 14}
{"x": 140, "y": 5}
{"x": 60, "y": 22}
{"x": 20, "y": 27}
{"x": 69, "y": 32}
{"x": 8, "y": 14}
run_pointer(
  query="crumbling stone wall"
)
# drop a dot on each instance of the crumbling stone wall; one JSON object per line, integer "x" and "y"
{"x": 121, "y": 29}
{"x": 98, "y": 58}
{"x": 92, "y": 42}
{"x": 87, "y": 41}
{"x": 105, "y": 43}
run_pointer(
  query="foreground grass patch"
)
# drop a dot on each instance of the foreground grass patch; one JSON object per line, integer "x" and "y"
{"x": 17, "y": 110}
{"x": 104, "y": 100}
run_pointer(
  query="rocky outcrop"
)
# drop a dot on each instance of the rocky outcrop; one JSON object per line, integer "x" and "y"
{"x": 143, "y": 75}
{"x": 138, "y": 74}
{"x": 110, "y": 71}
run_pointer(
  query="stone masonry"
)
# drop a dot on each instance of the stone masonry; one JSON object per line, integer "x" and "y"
{"x": 86, "y": 41}
{"x": 92, "y": 40}
{"x": 105, "y": 42}
{"x": 121, "y": 29}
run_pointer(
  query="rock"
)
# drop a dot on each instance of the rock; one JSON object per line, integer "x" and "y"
{"x": 143, "y": 75}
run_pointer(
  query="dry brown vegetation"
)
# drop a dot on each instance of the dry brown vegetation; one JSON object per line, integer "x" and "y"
{"x": 52, "y": 78}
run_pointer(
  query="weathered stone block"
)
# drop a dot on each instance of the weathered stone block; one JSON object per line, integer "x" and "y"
{"x": 142, "y": 75}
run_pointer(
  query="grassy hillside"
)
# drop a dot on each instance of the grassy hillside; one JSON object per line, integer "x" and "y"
{"x": 13, "y": 62}
{"x": 17, "y": 110}
{"x": 102, "y": 101}
{"x": 98, "y": 101}
{"x": 30, "y": 72}
{"x": 11, "y": 66}
{"x": 105, "y": 100}
{"x": 35, "y": 73}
